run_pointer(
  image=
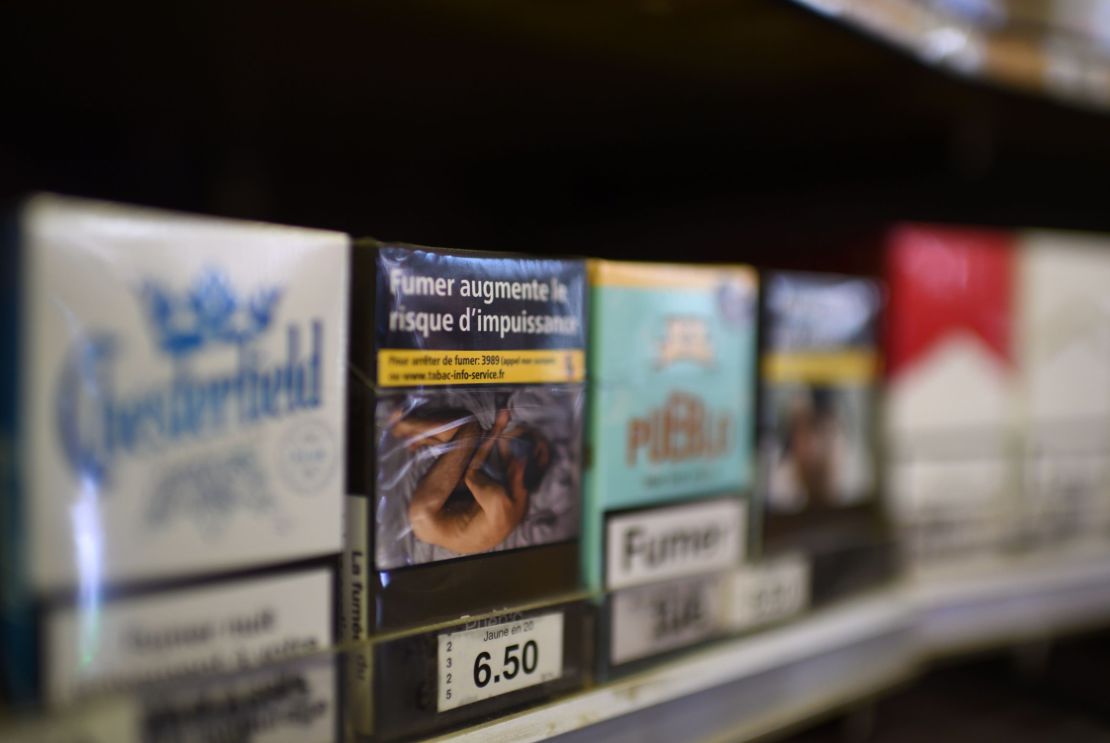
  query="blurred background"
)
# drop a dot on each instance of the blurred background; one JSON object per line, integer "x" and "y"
{"x": 765, "y": 131}
{"x": 625, "y": 127}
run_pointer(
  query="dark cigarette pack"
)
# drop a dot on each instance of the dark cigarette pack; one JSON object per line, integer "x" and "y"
{"x": 818, "y": 457}
{"x": 467, "y": 374}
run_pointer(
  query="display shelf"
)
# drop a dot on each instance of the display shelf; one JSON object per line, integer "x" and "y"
{"x": 751, "y": 686}
{"x": 1042, "y": 53}
{"x": 738, "y": 689}
{"x": 960, "y": 609}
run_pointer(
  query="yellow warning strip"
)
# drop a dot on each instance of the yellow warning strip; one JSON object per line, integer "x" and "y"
{"x": 821, "y": 367}
{"x": 418, "y": 368}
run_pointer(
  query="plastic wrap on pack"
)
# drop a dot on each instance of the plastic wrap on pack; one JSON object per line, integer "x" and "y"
{"x": 505, "y": 461}
{"x": 466, "y": 428}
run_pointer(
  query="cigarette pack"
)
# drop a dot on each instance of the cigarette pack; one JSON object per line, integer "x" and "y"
{"x": 466, "y": 432}
{"x": 670, "y": 435}
{"x": 173, "y": 432}
{"x": 818, "y": 458}
{"x": 1063, "y": 342}
{"x": 952, "y": 395}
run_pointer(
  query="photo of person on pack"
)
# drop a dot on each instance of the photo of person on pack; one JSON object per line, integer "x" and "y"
{"x": 463, "y": 472}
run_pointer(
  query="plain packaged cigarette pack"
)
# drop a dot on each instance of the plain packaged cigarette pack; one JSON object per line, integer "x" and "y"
{"x": 818, "y": 443}
{"x": 468, "y": 385}
{"x": 466, "y": 429}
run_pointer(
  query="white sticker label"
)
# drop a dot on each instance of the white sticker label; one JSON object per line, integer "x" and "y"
{"x": 210, "y": 629}
{"x": 690, "y": 539}
{"x": 288, "y": 702}
{"x": 647, "y": 620}
{"x": 498, "y": 658}
{"x": 769, "y": 592}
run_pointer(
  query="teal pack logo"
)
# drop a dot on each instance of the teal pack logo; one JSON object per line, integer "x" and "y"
{"x": 686, "y": 338}
{"x": 684, "y": 427}
{"x": 672, "y": 362}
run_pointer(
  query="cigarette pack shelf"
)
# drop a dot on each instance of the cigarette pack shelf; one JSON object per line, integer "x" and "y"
{"x": 738, "y": 689}
{"x": 741, "y": 688}
{"x": 756, "y": 685}
{"x": 1027, "y": 600}
{"x": 1059, "y": 47}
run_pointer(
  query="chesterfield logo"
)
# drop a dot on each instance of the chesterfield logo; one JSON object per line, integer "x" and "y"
{"x": 100, "y": 421}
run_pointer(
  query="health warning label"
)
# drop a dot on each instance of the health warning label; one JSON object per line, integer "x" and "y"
{"x": 415, "y": 368}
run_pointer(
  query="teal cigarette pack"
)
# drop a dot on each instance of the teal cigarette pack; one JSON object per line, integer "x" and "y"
{"x": 671, "y": 370}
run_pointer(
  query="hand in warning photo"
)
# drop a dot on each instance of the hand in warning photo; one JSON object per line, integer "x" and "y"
{"x": 466, "y": 471}
{"x": 477, "y": 491}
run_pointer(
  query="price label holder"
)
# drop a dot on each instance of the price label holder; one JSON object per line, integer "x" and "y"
{"x": 648, "y": 621}
{"x": 499, "y": 658}
{"x": 769, "y": 592}
{"x": 444, "y": 678}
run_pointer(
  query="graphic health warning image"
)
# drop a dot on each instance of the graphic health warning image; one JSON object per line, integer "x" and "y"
{"x": 817, "y": 453}
{"x": 473, "y": 470}
{"x": 819, "y": 375}
{"x": 478, "y": 418}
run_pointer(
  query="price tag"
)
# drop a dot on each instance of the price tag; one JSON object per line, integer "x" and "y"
{"x": 498, "y": 658}
{"x": 653, "y": 619}
{"x": 232, "y": 625}
{"x": 769, "y": 592}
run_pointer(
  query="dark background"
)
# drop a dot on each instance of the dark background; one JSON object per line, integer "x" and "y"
{"x": 1037, "y": 692}
{"x": 694, "y": 129}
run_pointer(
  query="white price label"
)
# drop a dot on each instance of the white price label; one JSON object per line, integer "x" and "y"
{"x": 498, "y": 658}
{"x": 769, "y": 592}
{"x": 216, "y": 628}
{"x": 653, "y": 619}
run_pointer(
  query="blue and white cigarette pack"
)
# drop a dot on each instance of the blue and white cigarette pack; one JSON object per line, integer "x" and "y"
{"x": 172, "y": 444}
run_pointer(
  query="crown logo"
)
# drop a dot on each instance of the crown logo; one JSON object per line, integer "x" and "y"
{"x": 210, "y": 312}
